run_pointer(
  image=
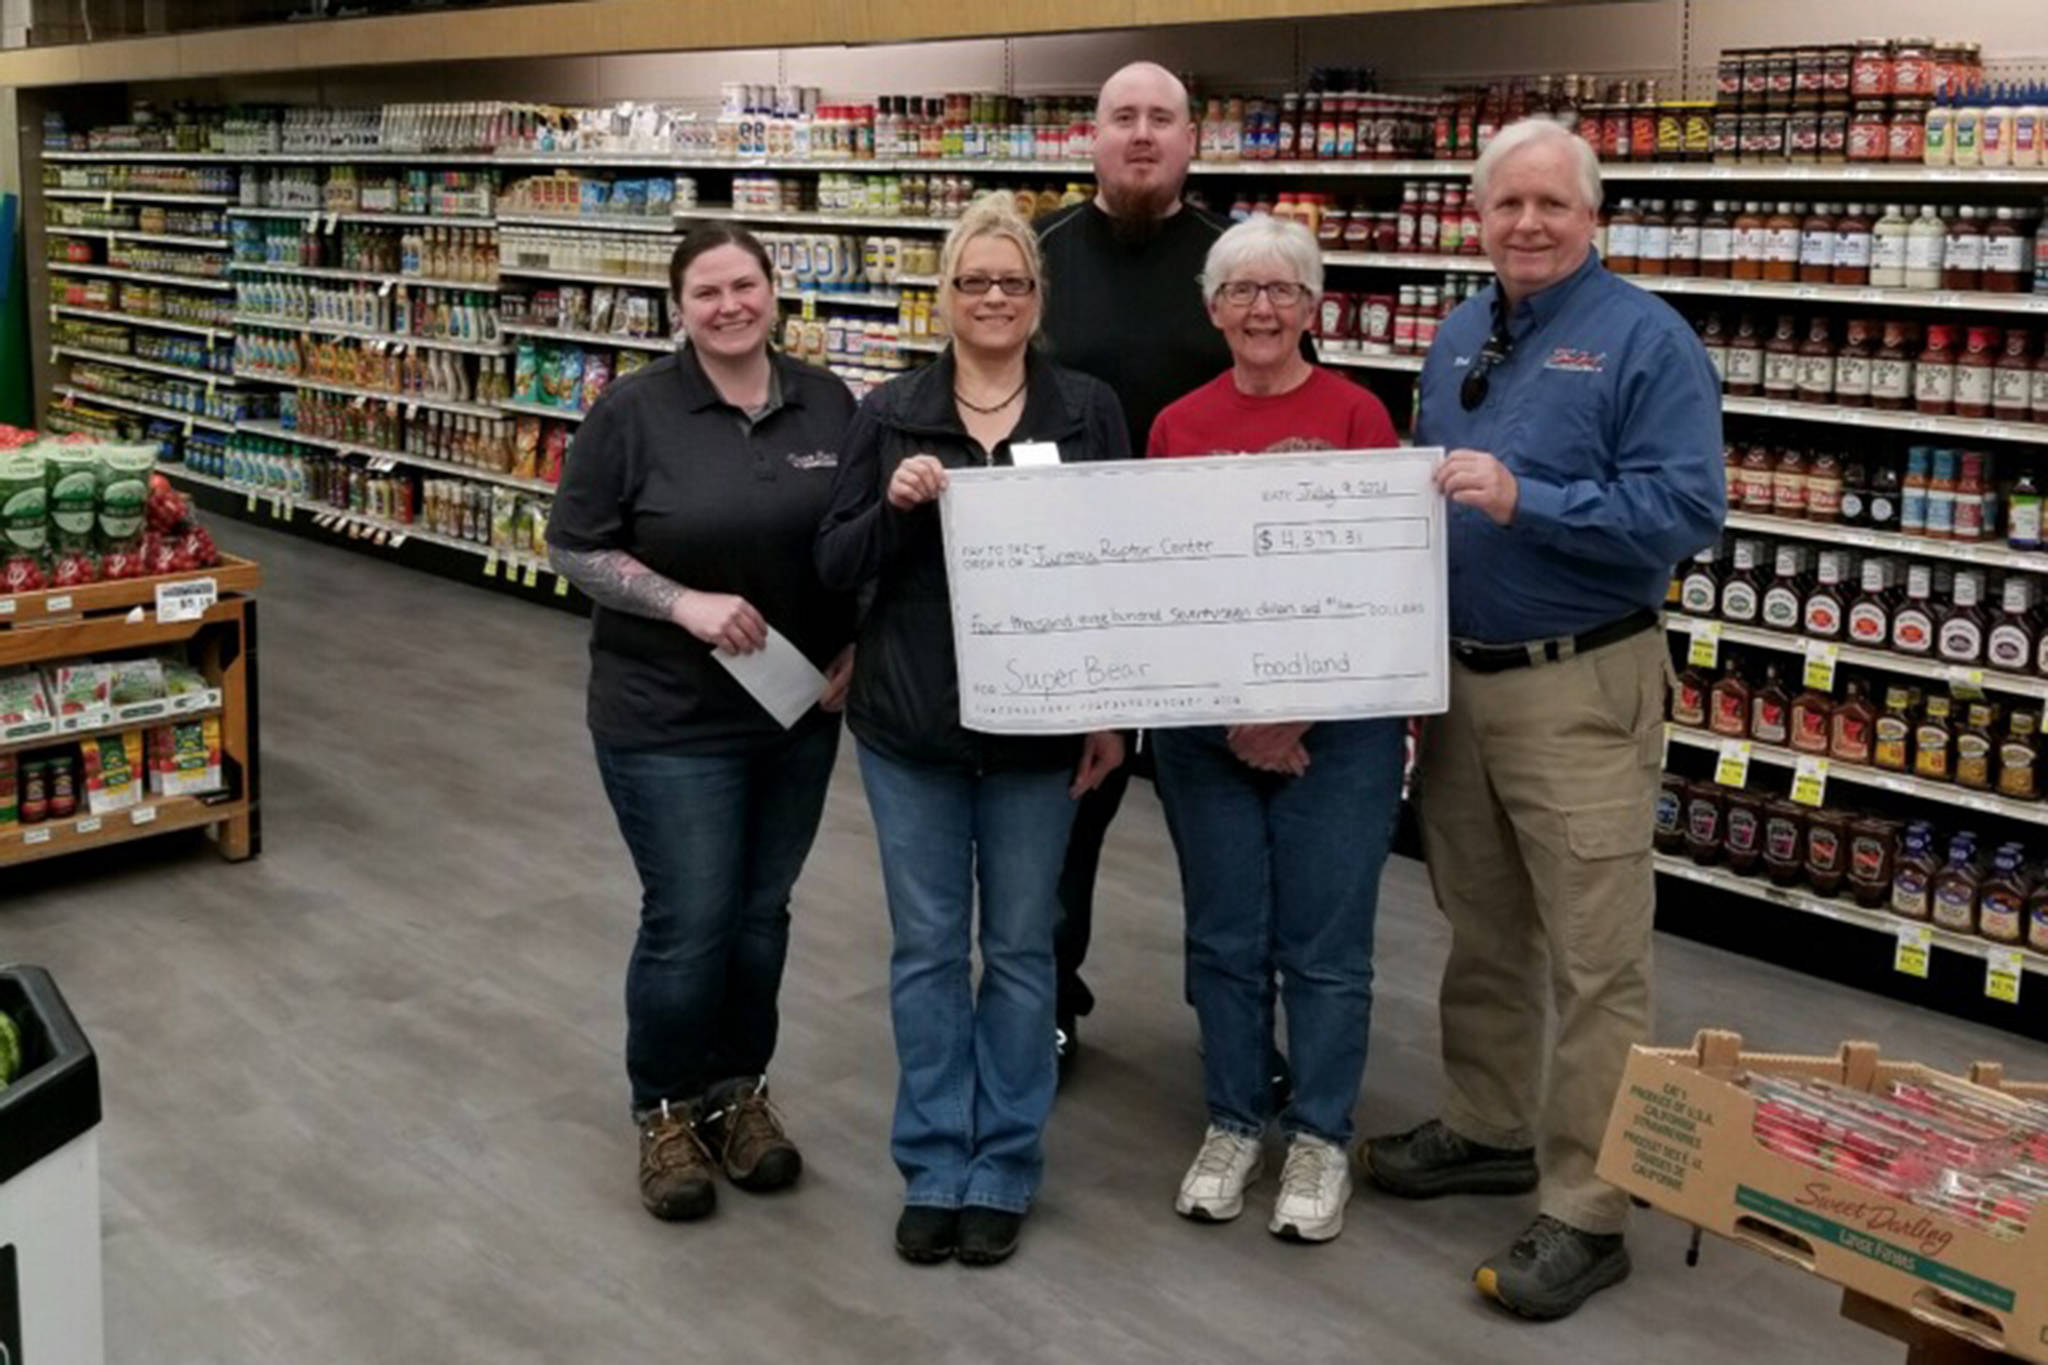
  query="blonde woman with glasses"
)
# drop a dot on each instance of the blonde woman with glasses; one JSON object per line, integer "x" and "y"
{"x": 958, "y": 812}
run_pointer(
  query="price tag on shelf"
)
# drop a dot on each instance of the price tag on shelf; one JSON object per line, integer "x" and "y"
{"x": 384, "y": 289}
{"x": 561, "y": 586}
{"x": 2002, "y": 975}
{"x": 491, "y": 564}
{"x": 187, "y": 600}
{"x": 1732, "y": 768}
{"x": 1810, "y": 780}
{"x": 1821, "y": 657}
{"x": 251, "y": 508}
{"x": 398, "y": 540}
{"x": 532, "y": 576}
{"x": 89, "y": 825}
{"x": 188, "y": 426}
{"x": 1966, "y": 683}
{"x": 1706, "y": 644}
{"x": 810, "y": 304}
{"x": 333, "y": 221}
{"x": 1806, "y": 291}
{"x": 1916, "y": 942}
{"x": 312, "y": 222}
{"x": 108, "y": 202}
{"x": 38, "y": 835}
{"x": 142, "y": 815}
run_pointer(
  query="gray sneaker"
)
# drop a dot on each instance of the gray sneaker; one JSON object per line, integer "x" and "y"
{"x": 1431, "y": 1160}
{"x": 1551, "y": 1269}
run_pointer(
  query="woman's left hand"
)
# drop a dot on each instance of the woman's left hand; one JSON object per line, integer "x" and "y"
{"x": 1271, "y": 748}
{"x": 837, "y": 679}
{"x": 1102, "y": 753}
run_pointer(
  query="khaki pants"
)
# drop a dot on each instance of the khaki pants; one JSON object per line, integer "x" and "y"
{"x": 1538, "y": 793}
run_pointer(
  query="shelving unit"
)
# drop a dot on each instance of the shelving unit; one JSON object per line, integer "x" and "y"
{"x": 1991, "y": 679}
{"x": 661, "y": 226}
{"x": 1990, "y": 554}
{"x": 131, "y": 235}
{"x": 278, "y": 431}
{"x": 407, "y": 400}
{"x": 141, "y": 197}
{"x": 190, "y": 419}
{"x": 313, "y": 272}
{"x": 397, "y": 340}
{"x": 153, "y": 366}
{"x": 116, "y": 272}
{"x": 542, "y": 410}
{"x": 142, "y": 320}
{"x": 659, "y": 345}
{"x": 310, "y": 216}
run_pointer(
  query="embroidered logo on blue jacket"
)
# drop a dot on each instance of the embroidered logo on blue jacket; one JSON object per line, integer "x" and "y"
{"x": 1584, "y": 362}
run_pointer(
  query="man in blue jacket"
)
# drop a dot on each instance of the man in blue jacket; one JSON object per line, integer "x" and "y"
{"x": 1583, "y": 425}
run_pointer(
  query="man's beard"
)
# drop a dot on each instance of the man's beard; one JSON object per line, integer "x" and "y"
{"x": 1136, "y": 215}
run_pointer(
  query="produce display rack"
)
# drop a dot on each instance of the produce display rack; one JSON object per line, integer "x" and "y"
{"x": 102, "y": 619}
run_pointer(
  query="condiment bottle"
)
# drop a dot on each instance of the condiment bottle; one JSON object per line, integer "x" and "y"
{"x": 1870, "y": 615}
{"x": 1941, "y": 497}
{"x": 2012, "y": 638}
{"x": 1934, "y": 741}
{"x": 1700, "y": 594}
{"x": 1717, "y": 242}
{"x": 1824, "y": 486}
{"x": 1855, "y": 484}
{"x": 1926, "y": 245}
{"x": 1850, "y": 726}
{"x": 1827, "y": 851}
{"x": 1873, "y": 856}
{"x": 1817, "y": 245}
{"x": 1745, "y": 358}
{"x": 1742, "y": 833}
{"x": 1781, "y": 359}
{"x": 1815, "y": 381}
{"x": 2002, "y": 898}
{"x": 1971, "y": 490}
{"x": 1852, "y": 366}
{"x": 1953, "y": 894}
{"x": 2037, "y": 917}
{"x": 1728, "y": 704}
{"x": 1770, "y": 709}
{"x": 1781, "y": 244}
{"x": 1714, "y": 339}
{"x": 1789, "y": 484}
{"x": 1811, "y": 712}
{"x": 2037, "y": 386}
{"x": 1913, "y": 879}
{"x": 1787, "y": 591}
{"x": 1685, "y": 239}
{"x": 1653, "y": 242}
{"x": 1747, "y": 259}
{"x": 1892, "y": 743}
{"x": 2011, "y": 376}
{"x": 1974, "y": 372}
{"x": 1849, "y": 254}
{"x": 1624, "y": 238}
{"x": 1741, "y": 592}
{"x": 2019, "y": 757}
{"x": 1888, "y": 241}
{"x": 1913, "y": 493}
{"x": 1704, "y": 808}
{"x": 1891, "y": 369}
{"x": 2007, "y": 267}
{"x": 1962, "y": 261}
{"x": 1758, "y": 482}
{"x": 1826, "y": 609}
{"x": 1959, "y": 635}
{"x": 1784, "y": 841}
{"x": 1913, "y": 623}
{"x": 34, "y": 807}
{"x": 1668, "y": 829}
{"x": 1689, "y": 698}
{"x": 1976, "y": 748}
{"x": 1934, "y": 373}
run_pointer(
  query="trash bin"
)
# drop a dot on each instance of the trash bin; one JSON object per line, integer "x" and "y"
{"x": 49, "y": 1183}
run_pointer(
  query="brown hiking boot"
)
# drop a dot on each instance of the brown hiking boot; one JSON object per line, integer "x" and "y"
{"x": 746, "y": 1132}
{"x": 675, "y": 1168}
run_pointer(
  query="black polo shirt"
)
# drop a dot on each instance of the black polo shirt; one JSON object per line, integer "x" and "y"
{"x": 668, "y": 471}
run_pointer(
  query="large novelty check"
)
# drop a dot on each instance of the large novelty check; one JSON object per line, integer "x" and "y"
{"x": 1198, "y": 592}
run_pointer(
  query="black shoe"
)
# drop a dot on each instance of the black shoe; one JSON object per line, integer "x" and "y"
{"x": 1430, "y": 1160}
{"x": 988, "y": 1236}
{"x": 926, "y": 1235}
{"x": 1066, "y": 1043}
{"x": 1552, "y": 1269}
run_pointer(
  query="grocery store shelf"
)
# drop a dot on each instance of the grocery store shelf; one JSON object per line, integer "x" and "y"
{"x": 814, "y": 218}
{"x": 1830, "y": 174}
{"x": 1975, "y": 300}
{"x": 131, "y": 235}
{"x": 664, "y": 226}
{"x": 2016, "y": 684}
{"x": 58, "y": 154}
{"x": 396, "y": 530}
{"x": 1861, "y": 775}
{"x": 159, "y": 815}
{"x": 925, "y": 345}
{"x": 659, "y": 345}
{"x": 309, "y": 216}
{"x": 397, "y": 339}
{"x": 341, "y": 155}
{"x": 277, "y": 431}
{"x": 685, "y": 161}
{"x": 313, "y": 272}
{"x": 108, "y": 400}
{"x": 405, "y": 400}
{"x": 542, "y": 410}
{"x": 140, "y": 320}
{"x": 191, "y": 372}
{"x": 1838, "y": 908}
{"x": 542, "y": 272}
{"x": 878, "y": 299}
{"x": 140, "y": 196}
{"x": 1969, "y": 428}
{"x": 1988, "y": 553}
{"x": 37, "y": 734}
{"x": 1356, "y": 360}
{"x": 118, "y": 272}
{"x": 1408, "y": 260}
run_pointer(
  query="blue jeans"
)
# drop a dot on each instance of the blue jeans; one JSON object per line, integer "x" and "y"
{"x": 1281, "y": 875}
{"x": 718, "y": 841}
{"x": 976, "y": 1073}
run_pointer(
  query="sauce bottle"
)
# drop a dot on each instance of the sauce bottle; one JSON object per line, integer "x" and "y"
{"x": 1728, "y": 704}
{"x": 1770, "y": 709}
{"x": 1855, "y": 485}
{"x": 1934, "y": 373}
{"x": 1781, "y": 244}
{"x": 1689, "y": 699}
{"x": 1934, "y": 741}
{"x": 1653, "y": 243}
{"x": 1714, "y": 340}
{"x": 1624, "y": 238}
{"x": 1851, "y": 368}
{"x": 1953, "y": 894}
{"x": 2002, "y": 898}
{"x": 1747, "y": 259}
{"x": 1815, "y": 381}
{"x": 1826, "y": 610}
{"x": 1685, "y": 239}
{"x": 2011, "y": 640}
{"x": 1962, "y": 265}
{"x": 1704, "y": 808}
{"x": 1849, "y": 254}
{"x": 1941, "y": 497}
{"x": 1700, "y": 594}
{"x": 1811, "y": 711}
{"x": 1668, "y": 831}
{"x": 1742, "y": 835}
{"x": 1891, "y": 369}
{"x": 1976, "y": 748}
{"x": 1717, "y": 242}
{"x": 1913, "y": 879}
{"x": 2037, "y": 386}
{"x": 1824, "y": 487}
{"x": 1870, "y": 615}
{"x": 2037, "y": 917}
{"x": 1873, "y": 858}
{"x": 2019, "y": 757}
{"x": 1787, "y": 591}
{"x": 1926, "y": 248}
{"x": 1888, "y": 240}
{"x": 1850, "y": 726}
{"x": 1789, "y": 484}
{"x": 2011, "y": 376}
{"x": 1742, "y": 590}
{"x": 1781, "y": 359}
{"x": 1827, "y": 851}
{"x": 1892, "y": 744}
{"x": 1974, "y": 371}
{"x": 1959, "y": 636}
{"x": 1817, "y": 245}
{"x": 2007, "y": 267}
{"x": 1758, "y": 480}
{"x": 1972, "y": 490}
{"x": 1913, "y": 623}
{"x": 1913, "y": 497}
{"x": 1746, "y": 358}
{"x": 1784, "y": 841}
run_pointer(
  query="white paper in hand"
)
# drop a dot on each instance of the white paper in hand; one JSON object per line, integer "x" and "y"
{"x": 778, "y": 676}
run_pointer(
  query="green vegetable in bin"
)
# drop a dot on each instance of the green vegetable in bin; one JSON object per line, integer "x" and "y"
{"x": 10, "y": 1050}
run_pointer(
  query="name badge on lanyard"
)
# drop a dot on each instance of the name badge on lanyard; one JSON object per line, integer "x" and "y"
{"x": 1034, "y": 454}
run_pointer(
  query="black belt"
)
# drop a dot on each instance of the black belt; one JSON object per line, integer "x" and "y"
{"x": 1501, "y": 658}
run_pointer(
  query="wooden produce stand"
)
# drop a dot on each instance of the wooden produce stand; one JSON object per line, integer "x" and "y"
{"x": 100, "y": 620}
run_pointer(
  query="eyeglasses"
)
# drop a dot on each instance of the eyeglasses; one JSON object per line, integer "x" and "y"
{"x": 1498, "y": 347}
{"x": 1244, "y": 293}
{"x": 1016, "y": 286}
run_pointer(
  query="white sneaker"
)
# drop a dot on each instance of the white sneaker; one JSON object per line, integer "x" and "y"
{"x": 1213, "y": 1189}
{"x": 1315, "y": 1185}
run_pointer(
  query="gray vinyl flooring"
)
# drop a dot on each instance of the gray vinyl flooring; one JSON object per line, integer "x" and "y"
{"x": 364, "y": 1099}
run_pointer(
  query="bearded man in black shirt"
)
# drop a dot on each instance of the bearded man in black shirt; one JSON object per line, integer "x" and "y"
{"x": 1124, "y": 303}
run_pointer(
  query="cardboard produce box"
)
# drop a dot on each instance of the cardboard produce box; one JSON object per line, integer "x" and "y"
{"x": 1683, "y": 1136}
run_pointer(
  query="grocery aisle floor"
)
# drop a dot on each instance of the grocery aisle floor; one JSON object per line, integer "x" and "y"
{"x": 364, "y": 1099}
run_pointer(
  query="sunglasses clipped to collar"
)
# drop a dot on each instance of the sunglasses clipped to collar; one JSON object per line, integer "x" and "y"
{"x": 1499, "y": 346}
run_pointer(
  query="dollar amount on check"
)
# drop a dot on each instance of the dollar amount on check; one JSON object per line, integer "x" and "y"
{"x": 1198, "y": 592}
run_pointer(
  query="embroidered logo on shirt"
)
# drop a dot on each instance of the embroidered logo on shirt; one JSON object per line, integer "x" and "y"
{"x": 1584, "y": 362}
{"x": 817, "y": 459}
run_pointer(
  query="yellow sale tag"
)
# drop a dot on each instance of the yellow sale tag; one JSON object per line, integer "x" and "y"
{"x": 532, "y": 579}
{"x": 1706, "y": 644}
{"x": 491, "y": 565}
{"x": 1820, "y": 664}
{"x": 1915, "y": 943}
{"x": 251, "y": 509}
{"x": 561, "y": 586}
{"x": 810, "y": 305}
{"x": 1966, "y": 684}
{"x": 2002, "y": 975}
{"x": 1810, "y": 780}
{"x": 1733, "y": 768}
